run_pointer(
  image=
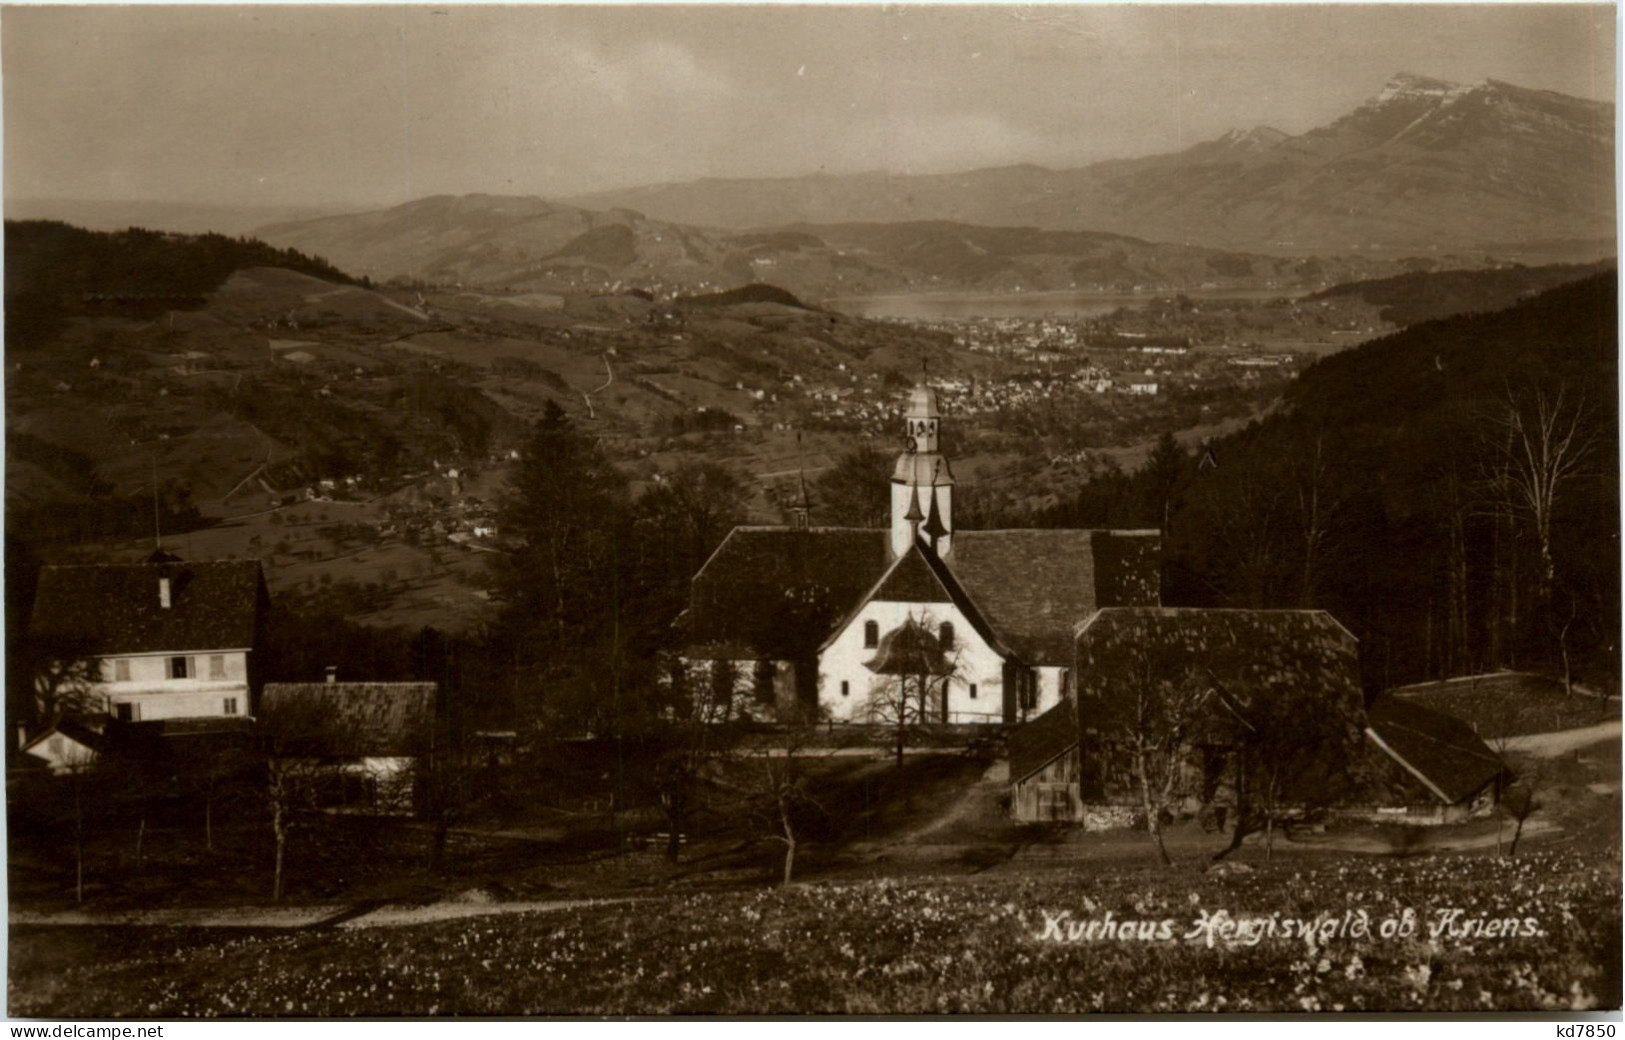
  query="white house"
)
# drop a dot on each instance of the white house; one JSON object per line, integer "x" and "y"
{"x": 813, "y": 613}
{"x": 171, "y": 639}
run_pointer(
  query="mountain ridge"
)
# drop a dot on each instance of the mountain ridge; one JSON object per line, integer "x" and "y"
{"x": 1424, "y": 163}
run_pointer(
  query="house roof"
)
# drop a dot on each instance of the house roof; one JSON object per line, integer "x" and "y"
{"x": 1039, "y": 742}
{"x": 1438, "y": 749}
{"x": 73, "y": 730}
{"x": 1243, "y": 653}
{"x": 351, "y": 718}
{"x": 114, "y": 609}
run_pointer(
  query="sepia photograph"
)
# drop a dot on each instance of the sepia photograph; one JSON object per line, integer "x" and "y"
{"x": 770, "y": 510}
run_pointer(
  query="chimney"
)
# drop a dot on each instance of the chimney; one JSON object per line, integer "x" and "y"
{"x": 163, "y": 593}
{"x": 332, "y": 673}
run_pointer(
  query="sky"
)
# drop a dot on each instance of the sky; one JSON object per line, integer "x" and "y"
{"x": 292, "y": 105}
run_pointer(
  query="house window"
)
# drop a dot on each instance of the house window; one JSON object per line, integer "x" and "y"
{"x": 178, "y": 668}
{"x": 126, "y": 712}
{"x": 972, "y": 691}
{"x": 121, "y": 670}
{"x": 945, "y": 635}
{"x": 217, "y": 666}
{"x": 230, "y": 706}
{"x": 846, "y": 688}
{"x": 871, "y": 634}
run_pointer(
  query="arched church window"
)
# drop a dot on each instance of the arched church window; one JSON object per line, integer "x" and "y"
{"x": 945, "y": 635}
{"x": 871, "y": 634}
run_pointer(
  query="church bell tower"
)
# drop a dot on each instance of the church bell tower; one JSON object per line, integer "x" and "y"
{"x": 922, "y": 485}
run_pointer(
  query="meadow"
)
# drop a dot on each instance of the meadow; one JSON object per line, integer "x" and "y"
{"x": 1540, "y": 932}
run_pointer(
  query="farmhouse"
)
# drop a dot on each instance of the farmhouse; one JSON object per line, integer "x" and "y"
{"x": 814, "y": 615}
{"x": 1221, "y": 675}
{"x": 168, "y": 639}
{"x": 371, "y": 739}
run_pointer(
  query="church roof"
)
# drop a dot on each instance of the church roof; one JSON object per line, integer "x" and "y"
{"x": 922, "y": 403}
{"x": 1023, "y": 590}
{"x": 923, "y": 469}
{"x": 737, "y": 593}
{"x": 921, "y": 576}
{"x": 1034, "y": 586}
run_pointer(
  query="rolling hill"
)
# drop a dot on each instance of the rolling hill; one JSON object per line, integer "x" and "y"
{"x": 1422, "y": 165}
{"x": 526, "y": 244}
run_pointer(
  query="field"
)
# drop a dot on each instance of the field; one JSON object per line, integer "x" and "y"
{"x": 917, "y": 895}
{"x": 1540, "y": 932}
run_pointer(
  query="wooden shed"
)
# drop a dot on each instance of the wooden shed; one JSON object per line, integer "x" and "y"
{"x": 1045, "y": 767}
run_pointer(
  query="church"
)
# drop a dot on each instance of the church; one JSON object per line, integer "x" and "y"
{"x": 947, "y": 625}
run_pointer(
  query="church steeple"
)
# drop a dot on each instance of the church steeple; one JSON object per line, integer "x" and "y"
{"x": 922, "y": 473}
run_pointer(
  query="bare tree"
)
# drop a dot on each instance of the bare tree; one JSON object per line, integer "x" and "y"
{"x": 1520, "y": 781}
{"x": 1319, "y": 499}
{"x": 295, "y": 734}
{"x": 779, "y": 791}
{"x": 1157, "y": 721}
{"x": 913, "y": 672}
{"x": 1543, "y": 447}
{"x": 83, "y": 770}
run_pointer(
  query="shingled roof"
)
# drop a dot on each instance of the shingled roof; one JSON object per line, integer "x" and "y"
{"x": 1244, "y": 653}
{"x": 1039, "y": 742}
{"x": 352, "y": 719}
{"x": 1438, "y": 749}
{"x": 1025, "y": 590}
{"x": 737, "y": 591}
{"x": 1034, "y": 586}
{"x": 115, "y": 609}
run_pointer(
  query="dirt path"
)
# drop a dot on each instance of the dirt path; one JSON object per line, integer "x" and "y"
{"x": 301, "y": 917}
{"x": 1548, "y": 745}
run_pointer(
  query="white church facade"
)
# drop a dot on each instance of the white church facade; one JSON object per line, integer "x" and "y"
{"x": 962, "y": 627}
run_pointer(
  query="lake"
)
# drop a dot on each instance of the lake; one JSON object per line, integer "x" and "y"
{"x": 1065, "y": 304}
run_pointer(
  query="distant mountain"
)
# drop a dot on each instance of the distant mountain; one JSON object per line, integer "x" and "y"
{"x": 1424, "y": 164}
{"x": 531, "y": 244}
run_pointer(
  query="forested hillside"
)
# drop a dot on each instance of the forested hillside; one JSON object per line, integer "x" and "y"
{"x": 55, "y": 269}
{"x": 1425, "y": 295}
{"x": 1449, "y": 492}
